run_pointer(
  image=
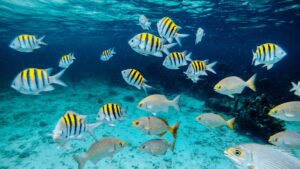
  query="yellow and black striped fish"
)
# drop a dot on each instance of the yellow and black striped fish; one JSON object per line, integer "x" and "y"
{"x": 66, "y": 60}
{"x": 198, "y": 68}
{"x": 168, "y": 29}
{"x": 33, "y": 81}
{"x": 110, "y": 113}
{"x": 268, "y": 54}
{"x": 177, "y": 59}
{"x": 149, "y": 44}
{"x": 107, "y": 54}
{"x": 134, "y": 78}
{"x": 26, "y": 43}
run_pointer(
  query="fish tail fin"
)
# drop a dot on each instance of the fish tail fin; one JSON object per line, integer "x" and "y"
{"x": 113, "y": 50}
{"x": 40, "y": 40}
{"x": 166, "y": 48}
{"x": 188, "y": 57}
{"x": 250, "y": 83}
{"x": 295, "y": 87}
{"x": 172, "y": 145}
{"x": 178, "y": 37}
{"x": 90, "y": 129}
{"x": 174, "y": 103}
{"x": 254, "y": 57}
{"x": 145, "y": 87}
{"x": 56, "y": 78}
{"x": 230, "y": 123}
{"x": 72, "y": 54}
{"x": 210, "y": 67}
{"x": 173, "y": 129}
{"x": 80, "y": 160}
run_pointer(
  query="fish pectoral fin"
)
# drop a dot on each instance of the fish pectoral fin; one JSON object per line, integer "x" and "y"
{"x": 290, "y": 115}
{"x": 147, "y": 128}
{"x": 141, "y": 46}
{"x": 49, "y": 88}
{"x": 161, "y": 134}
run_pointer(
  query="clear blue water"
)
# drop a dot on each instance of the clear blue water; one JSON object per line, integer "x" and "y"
{"x": 232, "y": 28}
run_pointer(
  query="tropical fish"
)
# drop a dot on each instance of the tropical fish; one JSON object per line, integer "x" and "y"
{"x": 32, "y": 81}
{"x": 286, "y": 139}
{"x": 169, "y": 30}
{"x": 66, "y": 60}
{"x": 110, "y": 113}
{"x": 144, "y": 22}
{"x": 268, "y": 54}
{"x": 289, "y": 111}
{"x": 296, "y": 88}
{"x": 26, "y": 43}
{"x": 214, "y": 120}
{"x": 148, "y": 44}
{"x": 157, "y": 146}
{"x": 158, "y": 103}
{"x": 107, "y": 54}
{"x": 104, "y": 148}
{"x": 177, "y": 59}
{"x": 258, "y": 156}
{"x": 199, "y": 35}
{"x": 134, "y": 78}
{"x": 198, "y": 68}
{"x": 234, "y": 85}
{"x": 155, "y": 126}
{"x": 72, "y": 126}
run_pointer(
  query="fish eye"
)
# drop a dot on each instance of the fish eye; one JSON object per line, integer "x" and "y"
{"x": 143, "y": 147}
{"x": 237, "y": 152}
{"x": 141, "y": 104}
{"x": 275, "y": 140}
{"x": 219, "y": 87}
{"x": 137, "y": 123}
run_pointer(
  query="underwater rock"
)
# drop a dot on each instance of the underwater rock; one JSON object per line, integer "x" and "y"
{"x": 43, "y": 124}
{"x": 100, "y": 101}
{"x": 90, "y": 95}
{"x": 128, "y": 99}
{"x": 112, "y": 93}
{"x": 251, "y": 115}
{"x": 24, "y": 155}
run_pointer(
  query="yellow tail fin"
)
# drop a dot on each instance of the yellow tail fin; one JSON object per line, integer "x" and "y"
{"x": 173, "y": 129}
{"x": 230, "y": 123}
{"x": 250, "y": 83}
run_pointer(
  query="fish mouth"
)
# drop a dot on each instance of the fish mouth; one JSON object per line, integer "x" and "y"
{"x": 226, "y": 153}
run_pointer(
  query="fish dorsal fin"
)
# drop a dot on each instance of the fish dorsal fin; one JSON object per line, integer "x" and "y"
{"x": 49, "y": 71}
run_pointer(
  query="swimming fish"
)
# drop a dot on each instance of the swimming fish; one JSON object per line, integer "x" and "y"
{"x": 177, "y": 59}
{"x": 72, "y": 126}
{"x": 198, "y": 68}
{"x": 26, "y": 43}
{"x": 155, "y": 126}
{"x": 286, "y": 139}
{"x": 296, "y": 88}
{"x": 258, "y": 156}
{"x": 268, "y": 54}
{"x": 199, "y": 35}
{"x": 234, "y": 85}
{"x": 158, "y": 103}
{"x": 32, "y": 81}
{"x": 157, "y": 146}
{"x": 104, "y": 148}
{"x": 107, "y": 54}
{"x": 66, "y": 60}
{"x": 134, "y": 78}
{"x": 289, "y": 111}
{"x": 148, "y": 44}
{"x": 169, "y": 30}
{"x": 214, "y": 120}
{"x": 111, "y": 113}
{"x": 144, "y": 22}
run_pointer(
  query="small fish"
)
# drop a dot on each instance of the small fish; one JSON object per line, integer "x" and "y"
{"x": 177, "y": 59}
{"x": 104, "y": 148}
{"x": 169, "y": 30}
{"x": 258, "y": 156}
{"x": 199, "y": 35}
{"x": 26, "y": 43}
{"x": 214, "y": 120}
{"x": 155, "y": 126}
{"x": 110, "y": 113}
{"x": 144, "y": 22}
{"x": 157, "y": 147}
{"x": 135, "y": 78}
{"x": 107, "y": 54}
{"x": 72, "y": 126}
{"x": 32, "y": 81}
{"x": 268, "y": 54}
{"x": 289, "y": 111}
{"x": 198, "y": 68}
{"x": 158, "y": 103}
{"x": 286, "y": 139}
{"x": 148, "y": 44}
{"x": 295, "y": 88}
{"x": 66, "y": 60}
{"x": 234, "y": 85}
